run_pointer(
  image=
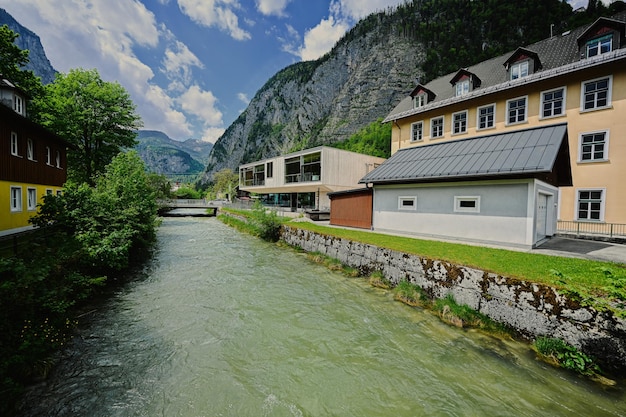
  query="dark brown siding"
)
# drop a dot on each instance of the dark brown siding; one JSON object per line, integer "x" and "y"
{"x": 20, "y": 168}
{"x": 352, "y": 209}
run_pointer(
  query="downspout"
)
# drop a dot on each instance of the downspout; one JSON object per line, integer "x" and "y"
{"x": 399, "y": 134}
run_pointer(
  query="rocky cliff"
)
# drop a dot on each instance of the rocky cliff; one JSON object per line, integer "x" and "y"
{"x": 28, "y": 40}
{"x": 321, "y": 102}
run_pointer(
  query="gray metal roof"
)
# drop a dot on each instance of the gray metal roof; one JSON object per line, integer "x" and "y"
{"x": 523, "y": 152}
{"x": 558, "y": 55}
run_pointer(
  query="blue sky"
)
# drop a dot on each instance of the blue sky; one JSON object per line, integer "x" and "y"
{"x": 190, "y": 66}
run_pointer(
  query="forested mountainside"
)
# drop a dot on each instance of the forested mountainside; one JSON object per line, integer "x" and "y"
{"x": 174, "y": 159}
{"x": 39, "y": 62}
{"x": 376, "y": 64}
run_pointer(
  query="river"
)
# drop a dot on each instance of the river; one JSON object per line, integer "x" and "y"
{"x": 224, "y": 324}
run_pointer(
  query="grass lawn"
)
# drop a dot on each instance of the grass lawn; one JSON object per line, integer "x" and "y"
{"x": 601, "y": 284}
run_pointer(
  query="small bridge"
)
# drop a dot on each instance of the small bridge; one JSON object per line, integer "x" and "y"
{"x": 192, "y": 208}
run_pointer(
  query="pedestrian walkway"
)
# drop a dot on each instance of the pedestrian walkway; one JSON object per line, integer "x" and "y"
{"x": 582, "y": 248}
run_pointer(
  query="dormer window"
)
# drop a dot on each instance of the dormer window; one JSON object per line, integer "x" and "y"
{"x": 519, "y": 70}
{"x": 421, "y": 96}
{"x": 599, "y": 46}
{"x": 462, "y": 87}
{"x": 420, "y": 100}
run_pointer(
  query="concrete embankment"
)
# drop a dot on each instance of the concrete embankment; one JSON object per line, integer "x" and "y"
{"x": 534, "y": 310}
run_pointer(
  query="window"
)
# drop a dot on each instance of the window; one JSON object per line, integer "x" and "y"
{"x": 436, "y": 127}
{"x": 16, "y": 199}
{"x": 420, "y": 100}
{"x": 417, "y": 131}
{"x": 590, "y": 205}
{"x": 48, "y": 191}
{"x": 58, "y": 159}
{"x": 593, "y": 147}
{"x": 30, "y": 149}
{"x": 48, "y": 156}
{"x": 599, "y": 46}
{"x": 486, "y": 116}
{"x": 596, "y": 94}
{"x": 18, "y": 105}
{"x": 462, "y": 87}
{"x": 269, "y": 170}
{"x": 32, "y": 198}
{"x": 519, "y": 70}
{"x": 465, "y": 204}
{"x": 459, "y": 122}
{"x": 14, "y": 147}
{"x": 407, "y": 203}
{"x": 552, "y": 103}
{"x": 516, "y": 110}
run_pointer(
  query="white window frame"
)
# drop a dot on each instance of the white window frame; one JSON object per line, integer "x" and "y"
{"x": 605, "y": 153}
{"x": 462, "y": 88}
{"x": 597, "y": 43}
{"x": 31, "y": 198}
{"x": 30, "y": 149}
{"x": 58, "y": 159}
{"x": 518, "y": 70}
{"x": 16, "y": 199}
{"x": 460, "y": 199}
{"x": 417, "y": 128}
{"x": 544, "y": 101}
{"x": 15, "y": 150}
{"x": 460, "y": 124}
{"x": 48, "y": 156}
{"x": 420, "y": 100}
{"x": 49, "y": 191}
{"x": 602, "y": 204}
{"x": 432, "y": 130}
{"x": 407, "y": 199}
{"x": 493, "y": 119}
{"x": 608, "y": 94}
{"x": 18, "y": 104}
{"x": 508, "y": 111}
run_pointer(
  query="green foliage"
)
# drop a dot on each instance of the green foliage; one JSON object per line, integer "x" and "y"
{"x": 267, "y": 222}
{"x": 566, "y": 356}
{"x": 98, "y": 118}
{"x": 187, "y": 191}
{"x": 225, "y": 182}
{"x": 411, "y": 294}
{"x": 374, "y": 139}
{"x": 12, "y": 61}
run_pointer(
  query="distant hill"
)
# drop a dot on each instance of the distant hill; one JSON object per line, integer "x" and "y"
{"x": 172, "y": 158}
{"x": 28, "y": 40}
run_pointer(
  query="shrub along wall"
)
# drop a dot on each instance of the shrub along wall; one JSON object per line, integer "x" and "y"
{"x": 534, "y": 310}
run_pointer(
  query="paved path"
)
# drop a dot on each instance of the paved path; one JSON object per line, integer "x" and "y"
{"x": 581, "y": 248}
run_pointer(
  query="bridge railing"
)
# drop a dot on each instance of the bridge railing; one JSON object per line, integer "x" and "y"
{"x": 610, "y": 230}
{"x": 184, "y": 203}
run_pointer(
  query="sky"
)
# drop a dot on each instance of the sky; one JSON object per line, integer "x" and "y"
{"x": 190, "y": 66}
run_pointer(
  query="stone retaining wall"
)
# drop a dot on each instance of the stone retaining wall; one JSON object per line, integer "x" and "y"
{"x": 532, "y": 309}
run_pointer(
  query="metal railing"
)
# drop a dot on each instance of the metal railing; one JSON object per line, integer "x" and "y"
{"x": 592, "y": 228}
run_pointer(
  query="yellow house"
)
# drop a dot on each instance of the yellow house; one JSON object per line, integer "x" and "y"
{"x": 577, "y": 78}
{"x": 33, "y": 161}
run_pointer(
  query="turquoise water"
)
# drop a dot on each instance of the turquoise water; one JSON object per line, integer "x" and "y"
{"x": 223, "y": 324}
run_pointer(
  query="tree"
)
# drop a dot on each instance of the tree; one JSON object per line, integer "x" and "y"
{"x": 12, "y": 61}
{"x": 95, "y": 116}
{"x": 225, "y": 182}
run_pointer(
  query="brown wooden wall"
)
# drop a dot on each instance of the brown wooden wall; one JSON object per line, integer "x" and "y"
{"x": 353, "y": 209}
{"x": 21, "y": 169}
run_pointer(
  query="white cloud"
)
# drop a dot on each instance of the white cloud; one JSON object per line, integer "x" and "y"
{"x": 178, "y": 62}
{"x": 244, "y": 98}
{"x": 212, "y": 134}
{"x": 322, "y": 38}
{"x": 272, "y": 7}
{"x": 218, "y": 13}
{"x": 201, "y": 104}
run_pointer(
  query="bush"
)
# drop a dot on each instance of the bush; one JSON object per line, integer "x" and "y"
{"x": 267, "y": 222}
{"x": 558, "y": 352}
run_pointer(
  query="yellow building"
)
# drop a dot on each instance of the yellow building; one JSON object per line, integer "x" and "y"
{"x": 33, "y": 161}
{"x": 577, "y": 78}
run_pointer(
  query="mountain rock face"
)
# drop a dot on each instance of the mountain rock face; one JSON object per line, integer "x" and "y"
{"x": 28, "y": 40}
{"x": 169, "y": 157}
{"x": 321, "y": 102}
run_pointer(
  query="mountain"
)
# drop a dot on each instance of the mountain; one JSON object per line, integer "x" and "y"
{"x": 375, "y": 65}
{"x": 174, "y": 159}
{"x": 39, "y": 62}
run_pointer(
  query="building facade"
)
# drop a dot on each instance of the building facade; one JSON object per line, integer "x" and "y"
{"x": 302, "y": 180}
{"x": 577, "y": 78}
{"x": 33, "y": 161}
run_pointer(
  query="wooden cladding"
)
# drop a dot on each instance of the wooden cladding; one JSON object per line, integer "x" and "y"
{"x": 40, "y": 157}
{"x": 352, "y": 209}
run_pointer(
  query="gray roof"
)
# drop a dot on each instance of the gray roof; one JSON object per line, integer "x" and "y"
{"x": 556, "y": 52}
{"x": 511, "y": 154}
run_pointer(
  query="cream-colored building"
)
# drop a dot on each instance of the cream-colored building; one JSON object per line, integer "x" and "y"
{"x": 302, "y": 180}
{"x": 577, "y": 78}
